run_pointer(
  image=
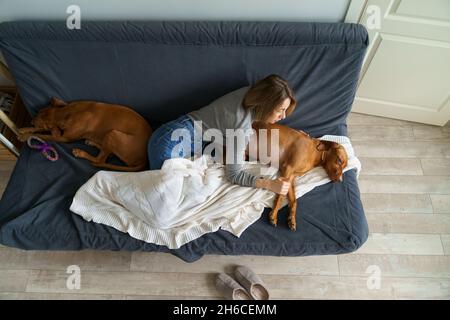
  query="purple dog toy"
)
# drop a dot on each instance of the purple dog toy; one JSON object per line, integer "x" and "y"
{"x": 48, "y": 151}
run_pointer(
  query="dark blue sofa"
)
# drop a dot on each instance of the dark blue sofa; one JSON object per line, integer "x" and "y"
{"x": 163, "y": 70}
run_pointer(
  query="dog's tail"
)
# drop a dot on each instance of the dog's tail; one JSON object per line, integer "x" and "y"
{"x": 114, "y": 167}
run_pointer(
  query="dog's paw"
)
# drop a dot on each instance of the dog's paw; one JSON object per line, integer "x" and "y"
{"x": 78, "y": 153}
{"x": 273, "y": 219}
{"x": 23, "y": 136}
{"x": 292, "y": 223}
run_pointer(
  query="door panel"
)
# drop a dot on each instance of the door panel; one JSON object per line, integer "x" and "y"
{"x": 406, "y": 71}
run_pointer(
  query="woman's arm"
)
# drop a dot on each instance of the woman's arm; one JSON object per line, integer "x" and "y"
{"x": 236, "y": 174}
{"x": 280, "y": 185}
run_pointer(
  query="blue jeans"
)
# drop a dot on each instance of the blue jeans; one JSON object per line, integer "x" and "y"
{"x": 161, "y": 146}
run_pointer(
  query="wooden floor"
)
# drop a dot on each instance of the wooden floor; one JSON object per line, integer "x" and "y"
{"x": 405, "y": 185}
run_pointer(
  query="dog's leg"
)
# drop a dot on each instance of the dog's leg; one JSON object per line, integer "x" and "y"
{"x": 273, "y": 215}
{"x": 293, "y": 207}
{"x": 122, "y": 145}
{"x": 92, "y": 143}
{"x": 55, "y": 135}
{"x": 29, "y": 130}
{"x": 101, "y": 157}
{"x": 25, "y": 133}
{"x": 49, "y": 137}
{"x": 286, "y": 172}
{"x": 105, "y": 150}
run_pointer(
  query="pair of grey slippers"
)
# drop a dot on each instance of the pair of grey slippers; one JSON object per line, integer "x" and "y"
{"x": 248, "y": 286}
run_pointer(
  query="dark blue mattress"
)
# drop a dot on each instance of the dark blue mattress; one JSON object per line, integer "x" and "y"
{"x": 163, "y": 70}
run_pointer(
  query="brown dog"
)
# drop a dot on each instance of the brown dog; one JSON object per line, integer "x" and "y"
{"x": 299, "y": 153}
{"x": 114, "y": 129}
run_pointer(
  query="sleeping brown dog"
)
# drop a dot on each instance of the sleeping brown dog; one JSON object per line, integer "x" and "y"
{"x": 299, "y": 153}
{"x": 114, "y": 129}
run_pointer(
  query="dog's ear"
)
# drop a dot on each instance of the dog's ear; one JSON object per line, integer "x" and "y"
{"x": 335, "y": 145}
{"x": 56, "y": 103}
{"x": 327, "y": 145}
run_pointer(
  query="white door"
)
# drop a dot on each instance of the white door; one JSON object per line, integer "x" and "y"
{"x": 406, "y": 71}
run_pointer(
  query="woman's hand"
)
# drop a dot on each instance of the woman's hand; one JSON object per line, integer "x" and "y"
{"x": 279, "y": 186}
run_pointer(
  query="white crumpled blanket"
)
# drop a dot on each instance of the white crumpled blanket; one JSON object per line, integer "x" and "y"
{"x": 185, "y": 199}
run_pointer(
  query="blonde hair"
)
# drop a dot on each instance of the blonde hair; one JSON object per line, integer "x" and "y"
{"x": 266, "y": 95}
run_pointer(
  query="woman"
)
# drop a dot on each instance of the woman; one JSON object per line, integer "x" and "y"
{"x": 270, "y": 100}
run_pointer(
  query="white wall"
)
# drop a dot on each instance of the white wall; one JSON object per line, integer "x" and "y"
{"x": 261, "y": 10}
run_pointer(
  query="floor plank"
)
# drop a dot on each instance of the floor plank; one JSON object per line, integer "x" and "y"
{"x": 12, "y": 258}
{"x": 161, "y": 262}
{"x": 380, "y": 133}
{"x": 441, "y": 203}
{"x": 392, "y": 243}
{"x": 358, "y": 119}
{"x": 137, "y": 284}
{"x": 436, "y": 167}
{"x": 7, "y": 166}
{"x": 147, "y": 297}
{"x": 390, "y": 166}
{"x": 395, "y": 265}
{"x": 445, "y": 238}
{"x": 6, "y": 155}
{"x": 405, "y": 184}
{"x": 403, "y": 149}
{"x": 13, "y": 280}
{"x": 308, "y": 287}
{"x": 397, "y": 202}
{"x": 430, "y": 133}
{"x": 86, "y": 260}
{"x": 126, "y": 283}
{"x": 57, "y": 296}
{"x": 408, "y": 223}
{"x": 60, "y": 260}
